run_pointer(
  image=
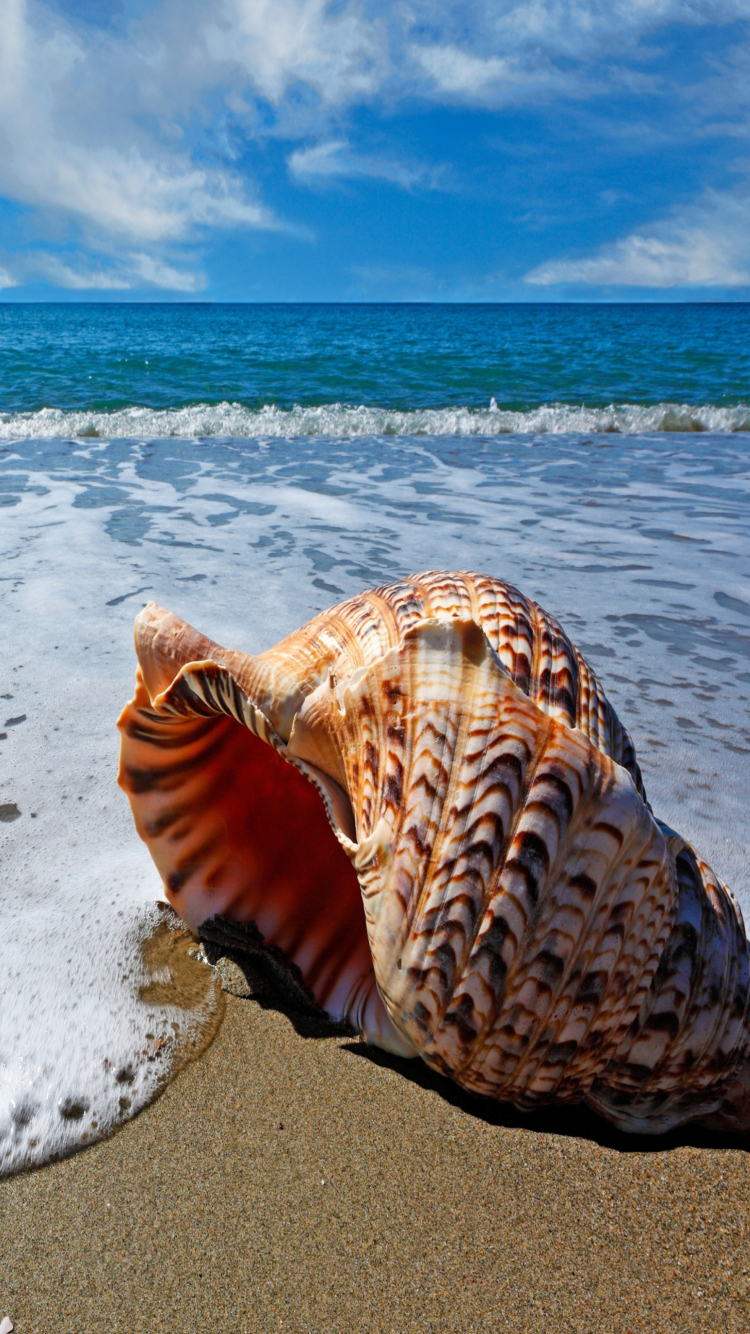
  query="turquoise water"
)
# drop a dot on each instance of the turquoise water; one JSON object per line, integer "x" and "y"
{"x": 238, "y": 370}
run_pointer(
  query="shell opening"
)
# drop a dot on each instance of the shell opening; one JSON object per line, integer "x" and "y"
{"x": 238, "y": 833}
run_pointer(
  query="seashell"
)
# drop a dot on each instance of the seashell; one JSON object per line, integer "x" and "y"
{"x": 422, "y": 812}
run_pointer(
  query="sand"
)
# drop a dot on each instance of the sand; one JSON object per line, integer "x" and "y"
{"x": 303, "y": 1183}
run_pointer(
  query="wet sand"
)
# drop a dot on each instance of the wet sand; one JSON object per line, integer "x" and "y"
{"x": 297, "y": 1183}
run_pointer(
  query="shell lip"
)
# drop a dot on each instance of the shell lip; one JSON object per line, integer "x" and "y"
{"x": 335, "y": 798}
{"x": 200, "y": 689}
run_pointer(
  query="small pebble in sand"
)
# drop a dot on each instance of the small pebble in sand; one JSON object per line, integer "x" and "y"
{"x": 6, "y": 1325}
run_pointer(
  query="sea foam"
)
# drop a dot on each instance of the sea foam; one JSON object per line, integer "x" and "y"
{"x": 340, "y": 420}
{"x": 87, "y": 1039}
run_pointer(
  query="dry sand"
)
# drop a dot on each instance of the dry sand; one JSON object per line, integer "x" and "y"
{"x": 295, "y": 1183}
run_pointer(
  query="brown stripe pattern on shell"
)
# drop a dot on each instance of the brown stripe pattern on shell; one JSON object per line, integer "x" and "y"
{"x": 531, "y": 645}
{"x": 534, "y": 933}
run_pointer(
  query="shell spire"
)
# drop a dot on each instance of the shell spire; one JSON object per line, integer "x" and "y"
{"x": 423, "y": 806}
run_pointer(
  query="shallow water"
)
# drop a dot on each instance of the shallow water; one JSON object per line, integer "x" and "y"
{"x": 639, "y": 543}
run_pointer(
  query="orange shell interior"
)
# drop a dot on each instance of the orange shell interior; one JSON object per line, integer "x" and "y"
{"x": 237, "y": 831}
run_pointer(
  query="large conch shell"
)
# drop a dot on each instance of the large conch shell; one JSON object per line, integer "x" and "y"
{"x": 422, "y": 806}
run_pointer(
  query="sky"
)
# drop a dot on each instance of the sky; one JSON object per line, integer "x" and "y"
{"x": 401, "y": 150}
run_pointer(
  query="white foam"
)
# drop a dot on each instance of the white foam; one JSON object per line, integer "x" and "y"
{"x": 341, "y": 420}
{"x": 641, "y": 547}
{"x": 79, "y": 1050}
{"x": 79, "y": 1053}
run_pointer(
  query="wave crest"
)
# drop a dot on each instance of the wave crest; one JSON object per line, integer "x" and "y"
{"x": 339, "y": 419}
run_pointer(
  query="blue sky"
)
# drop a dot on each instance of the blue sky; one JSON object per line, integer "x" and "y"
{"x": 398, "y": 150}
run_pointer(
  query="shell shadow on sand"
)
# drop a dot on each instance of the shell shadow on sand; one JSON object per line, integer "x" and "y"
{"x": 245, "y": 976}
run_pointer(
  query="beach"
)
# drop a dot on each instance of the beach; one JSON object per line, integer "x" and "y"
{"x": 290, "y": 1178}
{"x": 306, "y": 1184}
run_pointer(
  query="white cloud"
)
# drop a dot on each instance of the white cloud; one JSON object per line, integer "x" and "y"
{"x": 489, "y": 53}
{"x": 50, "y": 268}
{"x": 336, "y": 50}
{"x": 336, "y": 158}
{"x": 124, "y": 194}
{"x": 320, "y": 160}
{"x": 61, "y": 148}
{"x": 497, "y": 80}
{"x": 156, "y": 273}
{"x": 6, "y": 280}
{"x": 456, "y": 71}
{"x": 706, "y": 244}
{"x": 347, "y": 51}
{"x": 133, "y": 271}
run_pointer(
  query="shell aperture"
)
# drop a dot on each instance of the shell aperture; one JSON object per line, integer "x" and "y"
{"x": 424, "y": 804}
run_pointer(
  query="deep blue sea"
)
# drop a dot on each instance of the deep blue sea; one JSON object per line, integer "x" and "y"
{"x": 247, "y": 466}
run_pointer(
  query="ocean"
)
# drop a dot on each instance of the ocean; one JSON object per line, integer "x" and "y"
{"x": 288, "y": 370}
{"x": 248, "y": 466}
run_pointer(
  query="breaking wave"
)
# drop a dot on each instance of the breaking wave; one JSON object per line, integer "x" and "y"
{"x": 340, "y": 420}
